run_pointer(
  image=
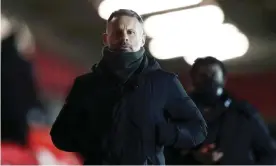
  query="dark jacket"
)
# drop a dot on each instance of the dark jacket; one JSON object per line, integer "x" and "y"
{"x": 138, "y": 110}
{"x": 18, "y": 93}
{"x": 242, "y": 137}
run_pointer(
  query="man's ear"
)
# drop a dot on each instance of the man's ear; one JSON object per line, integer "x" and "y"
{"x": 105, "y": 40}
{"x": 144, "y": 39}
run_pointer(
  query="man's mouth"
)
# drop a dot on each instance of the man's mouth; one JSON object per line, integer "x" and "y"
{"x": 124, "y": 47}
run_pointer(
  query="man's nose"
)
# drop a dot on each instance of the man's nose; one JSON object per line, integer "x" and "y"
{"x": 207, "y": 76}
{"x": 124, "y": 37}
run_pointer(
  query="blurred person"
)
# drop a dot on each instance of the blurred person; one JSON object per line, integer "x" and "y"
{"x": 23, "y": 124}
{"x": 17, "y": 98}
{"x": 236, "y": 132}
{"x": 127, "y": 109}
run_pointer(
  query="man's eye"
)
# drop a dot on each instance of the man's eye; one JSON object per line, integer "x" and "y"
{"x": 130, "y": 32}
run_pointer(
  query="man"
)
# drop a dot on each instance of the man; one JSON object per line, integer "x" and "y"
{"x": 236, "y": 133}
{"x": 128, "y": 108}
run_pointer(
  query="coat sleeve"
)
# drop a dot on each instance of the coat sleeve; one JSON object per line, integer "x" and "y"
{"x": 186, "y": 127}
{"x": 262, "y": 143}
{"x": 66, "y": 132}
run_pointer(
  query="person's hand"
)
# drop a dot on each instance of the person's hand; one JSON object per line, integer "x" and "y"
{"x": 208, "y": 154}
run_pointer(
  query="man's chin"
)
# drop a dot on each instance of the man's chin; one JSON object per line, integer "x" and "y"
{"x": 121, "y": 49}
{"x": 124, "y": 50}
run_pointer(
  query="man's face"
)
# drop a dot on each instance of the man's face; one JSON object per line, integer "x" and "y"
{"x": 125, "y": 34}
{"x": 208, "y": 72}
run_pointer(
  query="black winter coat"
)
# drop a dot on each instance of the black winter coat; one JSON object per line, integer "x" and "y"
{"x": 108, "y": 122}
{"x": 242, "y": 137}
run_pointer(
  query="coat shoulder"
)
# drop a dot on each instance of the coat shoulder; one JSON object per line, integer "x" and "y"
{"x": 87, "y": 77}
{"x": 247, "y": 109}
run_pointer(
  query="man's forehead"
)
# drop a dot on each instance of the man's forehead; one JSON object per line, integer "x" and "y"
{"x": 209, "y": 67}
{"x": 125, "y": 20}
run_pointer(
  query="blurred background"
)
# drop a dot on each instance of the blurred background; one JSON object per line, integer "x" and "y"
{"x": 46, "y": 44}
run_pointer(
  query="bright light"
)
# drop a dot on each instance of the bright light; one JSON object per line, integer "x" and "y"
{"x": 142, "y": 6}
{"x": 25, "y": 40}
{"x": 223, "y": 42}
{"x": 160, "y": 49}
{"x": 5, "y": 27}
{"x": 184, "y": 21}
{"x": 172, "y": 47}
